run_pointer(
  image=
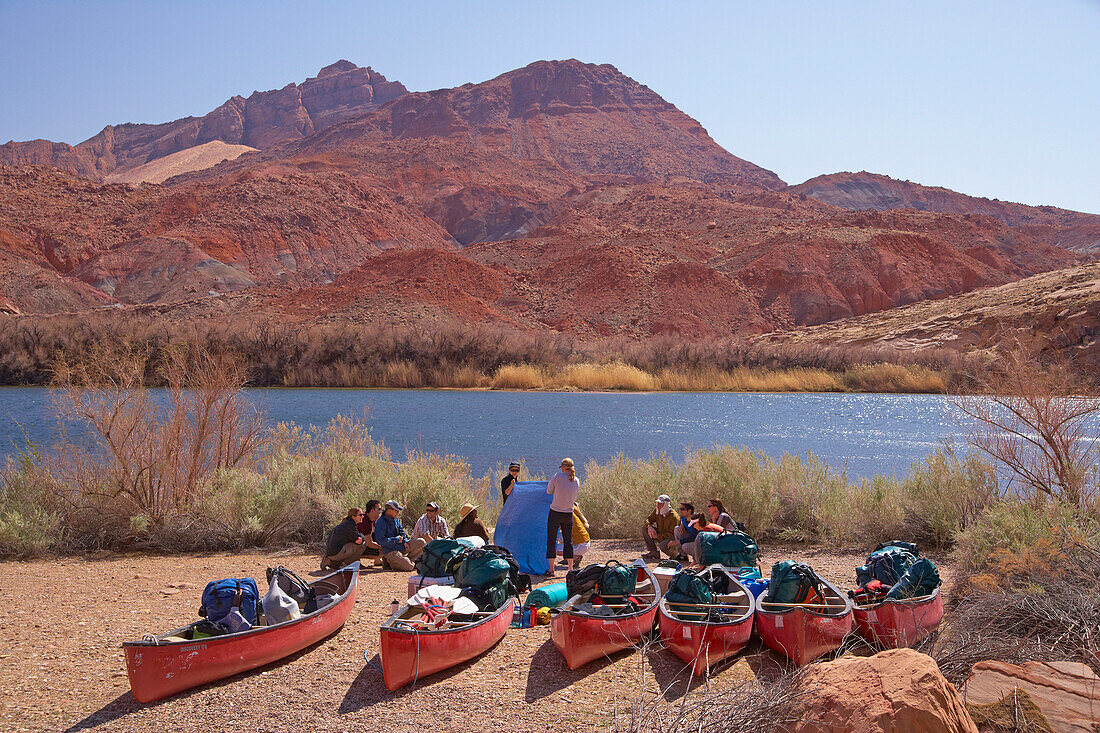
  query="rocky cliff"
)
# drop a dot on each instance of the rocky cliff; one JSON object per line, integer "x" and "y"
{"x": 338, "y": 92}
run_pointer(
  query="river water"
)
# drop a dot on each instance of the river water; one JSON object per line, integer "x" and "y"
{"x": 863, "y": 433}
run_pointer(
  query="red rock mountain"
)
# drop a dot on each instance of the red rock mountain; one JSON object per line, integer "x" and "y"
{"x": 562, "y": 196}
{"x": 338, "y": 92}
{"x": 1070, "y": 229}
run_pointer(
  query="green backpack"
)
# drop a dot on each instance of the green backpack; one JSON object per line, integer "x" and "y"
{"x": 793, "y": 582}
{"x": 688, "y": 587}
{"x": 481, "y": 568}
{"x": 439, "y": 556}
{"x": 919, "y": 580}
{"x": 731, "y": 549}
{"x": 618, "y": 580}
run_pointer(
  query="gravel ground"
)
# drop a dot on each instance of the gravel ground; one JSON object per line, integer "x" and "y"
{"x": 61, "y": 666}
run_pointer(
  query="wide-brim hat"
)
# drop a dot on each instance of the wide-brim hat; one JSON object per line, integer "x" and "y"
{"x": 466, "y": 509}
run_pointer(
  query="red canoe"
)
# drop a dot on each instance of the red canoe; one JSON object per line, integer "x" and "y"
{"x": 894, "y": 624}
{"x": 701, "y": 642}
{"x": 166, "y": 664}
{"x": 581, "y": 637}
{"x": 803, "y": 633}
{"x": 410, "y": 653}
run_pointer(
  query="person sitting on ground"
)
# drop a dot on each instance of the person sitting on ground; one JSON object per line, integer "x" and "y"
{"x": 700, "y": 523}
{"x": 508, "y": 483}
{"x": 365, "y": 526}
{"x": 431, "y": 525}
{"x": 398, "y": 551}
{"x": 345, "y": 544}
{"x": 685, "y": 531}
{"x": 719, "y": 516}
{"x": 469, "y": 525}
{"x": 659, "y": 530}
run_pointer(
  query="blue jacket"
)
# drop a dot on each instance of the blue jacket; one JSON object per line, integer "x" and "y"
{"x": 389, "y": 534}
{"x": 689, "y": 532}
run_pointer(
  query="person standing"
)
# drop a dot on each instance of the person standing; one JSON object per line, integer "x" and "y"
{"x": 564, "y": 487}
{"x": 508, "y": 482}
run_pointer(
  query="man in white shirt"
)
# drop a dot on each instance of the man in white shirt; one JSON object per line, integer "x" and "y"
{"x": 431, "y": 525}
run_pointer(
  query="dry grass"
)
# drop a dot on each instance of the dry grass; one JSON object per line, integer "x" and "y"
{"x": 349, "y": 355}
{"x": 519, "y": 376}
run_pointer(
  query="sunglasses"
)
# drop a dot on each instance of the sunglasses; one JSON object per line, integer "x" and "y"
{"x": 513, "y": 470}
{"x": 432, "y": 509}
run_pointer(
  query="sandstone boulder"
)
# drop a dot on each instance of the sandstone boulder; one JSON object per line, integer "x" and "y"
{"x": 1064, "y": 696}
{"x": 897, "y": 690}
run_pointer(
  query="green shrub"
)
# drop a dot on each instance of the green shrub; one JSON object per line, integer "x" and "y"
{"x": 617, "y": 496}
{"x": 944, "y": 493}
{"x": 740, "y": 478}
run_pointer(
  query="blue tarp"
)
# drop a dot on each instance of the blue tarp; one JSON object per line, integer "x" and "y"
{"x": 521, "y": 527}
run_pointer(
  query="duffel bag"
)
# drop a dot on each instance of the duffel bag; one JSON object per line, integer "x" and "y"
{"x": 438, "y": 557}
{"x": 919, "y": 580}
{"x": 583, "y": 580}
{"x": 793, "y": 582}
{"x": 481, "y": 568}
{"x": 732, "y": 549}
{"x": 617, "y": 580}
{"x": 294, "y": 586}
{"x": 218, "y": 597}
{"x": 688, "y": 587}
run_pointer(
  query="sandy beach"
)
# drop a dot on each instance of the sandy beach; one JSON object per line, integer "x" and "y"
{"x": 62, "y": 667}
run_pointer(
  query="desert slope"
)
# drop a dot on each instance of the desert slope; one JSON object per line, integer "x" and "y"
{"x": 1060, "y": 227}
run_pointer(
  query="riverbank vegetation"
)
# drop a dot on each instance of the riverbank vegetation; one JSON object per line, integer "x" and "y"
{"x": 288, "y": 355}
{"x": 196, "y": 468}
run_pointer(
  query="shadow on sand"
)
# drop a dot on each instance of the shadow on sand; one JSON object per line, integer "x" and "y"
{"x": 369, "y": 688}
{"x": 125, "y": 703}
{"x": 549, "y": 673}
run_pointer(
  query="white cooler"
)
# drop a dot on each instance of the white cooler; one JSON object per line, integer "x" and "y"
{"x": 416, "y": 582}
{"x": 664, "y": 577}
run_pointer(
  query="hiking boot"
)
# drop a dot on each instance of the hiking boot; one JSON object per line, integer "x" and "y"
{"x": 651, "y": 556}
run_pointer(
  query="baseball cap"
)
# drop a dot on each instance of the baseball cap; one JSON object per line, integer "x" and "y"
{"x": 393, "y": 504}
{"x": 664, "y": 499}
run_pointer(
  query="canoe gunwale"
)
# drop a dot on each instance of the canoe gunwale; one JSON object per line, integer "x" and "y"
{"x": 758, "y": 605}
{"x": 387, "y": 625}
{"x": 157, "y": 642}
{"x": 902, "y": 602}
{"x": 567, "y": 610}
{"x": 662, "y": 605}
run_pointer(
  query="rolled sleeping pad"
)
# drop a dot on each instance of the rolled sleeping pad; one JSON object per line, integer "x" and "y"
{"x": 548, "y": 596}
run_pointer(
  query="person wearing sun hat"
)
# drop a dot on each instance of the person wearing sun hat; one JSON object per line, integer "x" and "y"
{"x": 564, "y": 487}
{"x": 468, "y": 523}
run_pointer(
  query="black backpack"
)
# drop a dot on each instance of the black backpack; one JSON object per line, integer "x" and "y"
{"x": 584, "y": 580}
{"x": 295, "y": 587}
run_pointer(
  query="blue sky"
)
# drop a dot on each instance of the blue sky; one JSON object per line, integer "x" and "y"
{"x": 998, "y": 99}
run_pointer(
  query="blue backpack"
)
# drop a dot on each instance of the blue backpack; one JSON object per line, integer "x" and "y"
{"x": 219, "y": 595}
